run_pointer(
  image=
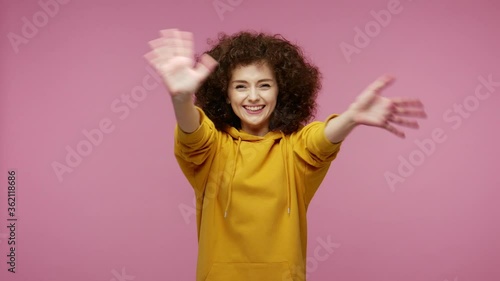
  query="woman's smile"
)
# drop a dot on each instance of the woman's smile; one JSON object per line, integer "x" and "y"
{"x": 254, "y": 109}
{"x": 253, "y": 93}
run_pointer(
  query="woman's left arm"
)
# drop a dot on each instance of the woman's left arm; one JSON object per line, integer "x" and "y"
{"x": 372, "y": 109}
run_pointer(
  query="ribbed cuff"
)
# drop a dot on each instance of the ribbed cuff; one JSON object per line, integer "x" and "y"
{"x": 324, "y": 143}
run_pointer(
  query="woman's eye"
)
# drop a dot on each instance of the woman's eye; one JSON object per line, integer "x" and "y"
{"x": 240, "y": 87}
{"x": 266, "y": 85}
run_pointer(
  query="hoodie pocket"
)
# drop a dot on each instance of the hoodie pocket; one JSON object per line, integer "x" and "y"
{"x": 255, "y": 271}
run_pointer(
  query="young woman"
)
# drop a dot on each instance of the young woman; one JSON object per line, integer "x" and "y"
{"x": 247, "y": 149}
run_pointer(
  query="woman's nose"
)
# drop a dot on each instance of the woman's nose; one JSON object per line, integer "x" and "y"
{"x": 253, "y": 94}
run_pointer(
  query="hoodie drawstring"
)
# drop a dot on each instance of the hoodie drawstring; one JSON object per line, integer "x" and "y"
{"x": 284, "y": 151}
{"x": 230, "y": 188}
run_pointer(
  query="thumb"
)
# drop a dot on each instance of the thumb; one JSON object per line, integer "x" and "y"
{"x": 205, "y": 66}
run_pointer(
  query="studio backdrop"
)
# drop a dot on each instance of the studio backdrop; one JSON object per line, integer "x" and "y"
{"x": 91, "y": 190}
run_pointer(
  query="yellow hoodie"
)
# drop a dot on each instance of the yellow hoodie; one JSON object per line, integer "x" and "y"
{"x": 252, "y": 195}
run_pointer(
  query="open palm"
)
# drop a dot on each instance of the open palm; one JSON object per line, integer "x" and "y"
{"x": 172, "y": 57}
{"x": 372, "y": 109}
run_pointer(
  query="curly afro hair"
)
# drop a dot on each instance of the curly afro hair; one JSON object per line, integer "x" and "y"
{"x": 298, "y": 80}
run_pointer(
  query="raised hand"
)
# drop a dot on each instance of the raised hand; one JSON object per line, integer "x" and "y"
{"x": 172, "y": 57}
{"x": 372, "y": 109}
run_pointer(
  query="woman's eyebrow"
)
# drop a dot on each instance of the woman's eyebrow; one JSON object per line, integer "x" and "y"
{"x": 261, "y": 80}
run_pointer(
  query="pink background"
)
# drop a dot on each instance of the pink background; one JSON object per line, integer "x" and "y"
{"x": 119, "y": 210}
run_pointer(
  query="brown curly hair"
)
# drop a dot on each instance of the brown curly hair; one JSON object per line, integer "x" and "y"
{"x": 298, "y": 80}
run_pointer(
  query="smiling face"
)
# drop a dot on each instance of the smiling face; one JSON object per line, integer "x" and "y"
{"x": 253, "y": 92}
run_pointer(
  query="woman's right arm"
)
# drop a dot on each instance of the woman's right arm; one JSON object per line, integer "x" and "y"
{"x": 188, "y": 118}
{"x": 172, "y": 57}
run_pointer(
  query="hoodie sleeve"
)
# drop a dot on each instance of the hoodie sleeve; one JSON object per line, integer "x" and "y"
{"x": 312, "y": 146}
{"x": 315, "y": 154}
{"x": 195, "y": 151}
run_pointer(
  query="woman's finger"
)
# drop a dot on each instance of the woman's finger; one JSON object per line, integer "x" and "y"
{"x": 177, "y": 44}
{"x": 393, "y": 130}
{"x": 158, "y": 42}
{"x": 206, "y": 65}
{"x": 404, "y": 122}
{"x": 150, "y": 56}
{"x": 409, "y": 112}
{"x": 407, "y": 102}
{"x": 374, "y": 89}
{"x": 168, "y": 33}
{"x": 187, "y": 45}
{"x": 380, "y": 84}
{"x": 166, "y": 52}
{"x": 171, "y": 38}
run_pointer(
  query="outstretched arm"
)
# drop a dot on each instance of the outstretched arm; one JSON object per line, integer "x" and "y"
{"x": 372, "y": 109}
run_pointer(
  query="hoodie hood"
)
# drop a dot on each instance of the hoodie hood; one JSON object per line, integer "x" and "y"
{"x": 240, "y": 136}
{"x": 237, "y": 134}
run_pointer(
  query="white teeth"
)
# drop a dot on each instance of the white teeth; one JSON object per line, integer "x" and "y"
{"x": 254, "y": 108}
